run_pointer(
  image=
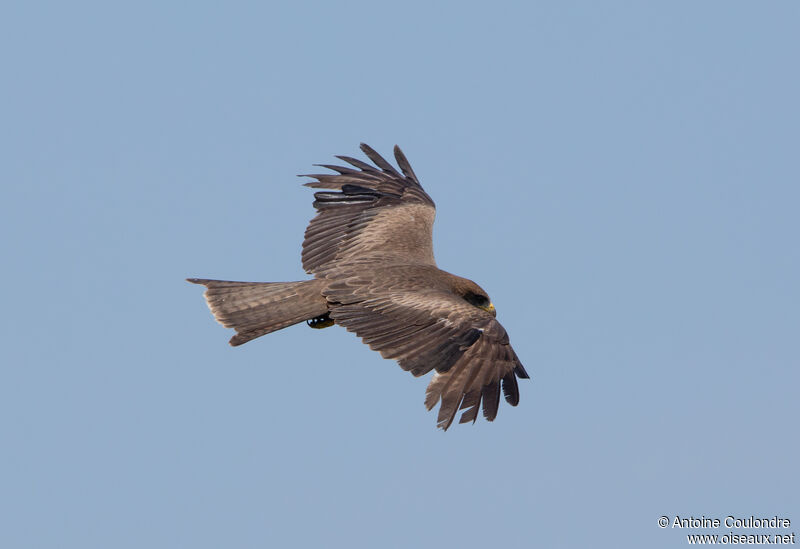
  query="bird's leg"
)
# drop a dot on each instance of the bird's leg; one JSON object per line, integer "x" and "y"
{"x": 319, "y": 322}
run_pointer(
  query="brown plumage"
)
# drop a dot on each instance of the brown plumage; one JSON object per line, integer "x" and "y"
{"x": 370, "y": 250}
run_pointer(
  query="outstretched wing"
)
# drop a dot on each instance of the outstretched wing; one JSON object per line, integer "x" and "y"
{"x": 373, "y": 213}
{"x": 432, "y": 329}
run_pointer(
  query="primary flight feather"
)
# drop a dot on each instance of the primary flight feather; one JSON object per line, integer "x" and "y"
{"x": 370, "y": 250}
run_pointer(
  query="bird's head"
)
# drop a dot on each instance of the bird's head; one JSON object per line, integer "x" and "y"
{"x": 475, "y": 295}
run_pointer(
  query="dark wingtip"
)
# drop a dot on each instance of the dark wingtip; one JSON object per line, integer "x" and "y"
{"x": 366, "y": 149}
{"x": 379, "y": 161}
{"x": 405, "y": 165}
{"x": 511, "y": 389}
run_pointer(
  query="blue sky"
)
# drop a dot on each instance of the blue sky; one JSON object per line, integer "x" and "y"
{"x": 622, "y": 178}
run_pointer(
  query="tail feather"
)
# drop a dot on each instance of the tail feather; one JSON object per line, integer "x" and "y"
{"x": 254, "y": 309}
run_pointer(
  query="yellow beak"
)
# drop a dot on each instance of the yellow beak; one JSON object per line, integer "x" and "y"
{"x": 490, "y": 309}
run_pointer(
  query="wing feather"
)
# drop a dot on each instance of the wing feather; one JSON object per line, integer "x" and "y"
{"x": 472, "y": 405}
{"x": 491, "y": 400}
{"x": 360, "y": 164}
{"x": 379, "y": 160}
{"x": 404, "y": 164}
{"x": 368, "y": 211}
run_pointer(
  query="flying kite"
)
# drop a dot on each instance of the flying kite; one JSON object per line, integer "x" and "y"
{"x": 370, "y": 250}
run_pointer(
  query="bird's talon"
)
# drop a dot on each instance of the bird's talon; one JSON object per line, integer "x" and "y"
{"x": 320, "y": 322}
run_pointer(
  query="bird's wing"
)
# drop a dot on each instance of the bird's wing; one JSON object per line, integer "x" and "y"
{"x": 374, "y": 212}
{"x": 432, "y": 329}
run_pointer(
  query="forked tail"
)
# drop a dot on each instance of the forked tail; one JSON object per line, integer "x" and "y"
{"x": 257, "y": 308}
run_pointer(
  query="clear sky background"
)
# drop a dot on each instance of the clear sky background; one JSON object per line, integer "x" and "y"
{"x": 621, "y": 177}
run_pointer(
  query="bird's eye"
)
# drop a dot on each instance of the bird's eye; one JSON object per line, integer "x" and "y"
{"x": 477, "y": 300}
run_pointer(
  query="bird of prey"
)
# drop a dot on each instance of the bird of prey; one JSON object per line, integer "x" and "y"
{"x": 370, "y": 250}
